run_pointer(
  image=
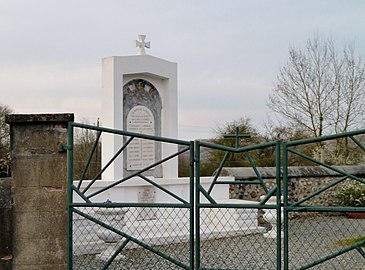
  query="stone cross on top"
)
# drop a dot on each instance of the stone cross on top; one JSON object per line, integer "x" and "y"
{"x": 141, "y": 44}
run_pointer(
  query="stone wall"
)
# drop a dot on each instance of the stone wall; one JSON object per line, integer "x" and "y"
{"x": 5, "y": 224}
{"x": 302, "y": 182}
{"x": 39, "y": 201}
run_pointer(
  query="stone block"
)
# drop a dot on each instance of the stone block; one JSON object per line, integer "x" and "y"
{"x": 52, "y": 199}
{"x": 53, "y": 225}
{"x": 26, "y": 226}
{"x": 39, "y": 252}
{"x": 39, "y": 172}
{"x": 55, "y": 171}
{"x": 25, "y": 172}
{"x": 61, "y": 266}
{"x": 40, "y": 225}
{"x": 26, "y": 199}
{"x": 30, "y": 140}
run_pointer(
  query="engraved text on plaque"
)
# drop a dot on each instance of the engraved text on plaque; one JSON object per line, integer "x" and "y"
{"x": 140, "y": 152}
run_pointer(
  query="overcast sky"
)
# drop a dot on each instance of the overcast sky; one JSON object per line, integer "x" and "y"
{"x": 228, "y": 52}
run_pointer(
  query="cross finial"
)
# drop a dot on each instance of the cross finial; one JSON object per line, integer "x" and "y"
{"x": 237, "y": 137}
{"x": 141, "y": 44}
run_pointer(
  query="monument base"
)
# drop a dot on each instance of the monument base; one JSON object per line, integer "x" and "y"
{"x": 155, "y": 226}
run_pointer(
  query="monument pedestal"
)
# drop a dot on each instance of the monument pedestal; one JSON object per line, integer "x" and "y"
{"x": 113, "y": 217}
{"x": 166, "y": 225}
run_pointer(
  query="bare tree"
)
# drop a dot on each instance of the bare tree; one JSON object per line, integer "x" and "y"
{"x": 349, "y": 94}
{"x": 321, "y": 89}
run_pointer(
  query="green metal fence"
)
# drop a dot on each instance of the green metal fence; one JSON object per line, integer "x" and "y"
{"x": 317, "y": 234}
{"x": 103, "y": 233}
{"x": 240, "y": 243}
{"x": 202, "y": 231}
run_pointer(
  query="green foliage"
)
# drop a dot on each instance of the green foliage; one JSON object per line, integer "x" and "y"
{"x": 291, "y": 133}
{"x": 211, "y": 158}
{"x": 184, "y": 165}
{"x": 265, "y": 157}
{"x": 5, "y": 165}
{"x": 5, "y": 161}
{"x": 244, "y": 127}
{"x": 84, "y": 143}
{"x": 345, "y": 152}
{"x": 350, "y": 241}
{"x": 352, "y": 195}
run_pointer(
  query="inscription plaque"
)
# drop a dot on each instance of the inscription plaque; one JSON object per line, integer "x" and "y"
{"x": 140, "y": 152}
{"x": 142, "y": 109}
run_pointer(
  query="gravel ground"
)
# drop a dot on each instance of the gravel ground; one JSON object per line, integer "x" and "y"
{"x": 311, "y": 238}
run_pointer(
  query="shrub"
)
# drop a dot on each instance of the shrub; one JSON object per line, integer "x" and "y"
{"x": 352, "y": 195}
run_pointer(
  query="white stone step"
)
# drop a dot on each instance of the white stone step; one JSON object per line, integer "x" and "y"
{"x": 215, "y": 223}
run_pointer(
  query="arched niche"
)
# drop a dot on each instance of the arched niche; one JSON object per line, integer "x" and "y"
{"x": 142, "y": 108}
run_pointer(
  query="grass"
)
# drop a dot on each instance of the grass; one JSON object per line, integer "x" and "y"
{"x": 351, "y": 241}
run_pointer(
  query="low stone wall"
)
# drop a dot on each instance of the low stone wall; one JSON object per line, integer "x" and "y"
{"x": 5, "y": 224}
{"x": 302, "y": 182}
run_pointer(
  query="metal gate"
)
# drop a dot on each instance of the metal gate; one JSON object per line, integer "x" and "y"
{"x": 239, "y": 242}
{"x": 117, "y": 231}
{"x": 317, "y": 234}
{"x": 186, "y": 225}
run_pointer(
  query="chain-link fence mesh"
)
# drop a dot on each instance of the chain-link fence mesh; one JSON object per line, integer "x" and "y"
{"x": 232, "y": 239}
{"x": 166, "y": 230}
{"x": 313, "y": 237}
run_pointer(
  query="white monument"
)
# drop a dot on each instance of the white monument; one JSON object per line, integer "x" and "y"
{"x": 124, "y": 80}
{"x": 139, "y": 95}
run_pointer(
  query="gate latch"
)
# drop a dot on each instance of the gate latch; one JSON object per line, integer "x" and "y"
{"x": 64, "y": 147}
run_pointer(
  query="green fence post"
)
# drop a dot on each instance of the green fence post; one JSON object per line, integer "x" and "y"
{"x": 285, "y": 195}
{"x": 197, "y": 204}
{"x": 70, "y": 192}
{"x": 278, "y": 204}
{"x": 192, "y": 188}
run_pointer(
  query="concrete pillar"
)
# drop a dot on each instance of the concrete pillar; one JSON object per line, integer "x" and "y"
{"x": 39, "y": 191}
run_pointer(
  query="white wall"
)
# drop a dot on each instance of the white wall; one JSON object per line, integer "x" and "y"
{"x": 118, "y": 70}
